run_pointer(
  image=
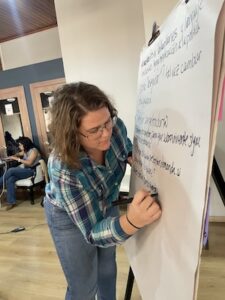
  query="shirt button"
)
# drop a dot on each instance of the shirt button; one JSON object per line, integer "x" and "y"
{"x": 116, "y": 183}
{"x": 124, "y": 156}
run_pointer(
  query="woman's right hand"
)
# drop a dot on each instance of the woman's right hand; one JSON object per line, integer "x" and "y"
{"x": 142, "y": 211}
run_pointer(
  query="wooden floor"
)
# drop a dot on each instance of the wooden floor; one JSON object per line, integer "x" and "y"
{"x": 29, "y": 267}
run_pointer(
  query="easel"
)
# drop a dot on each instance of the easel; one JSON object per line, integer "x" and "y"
{"x": 220, "y": 184}
{"x": 216, "y": 174}
{"x": 218, "y": 179}
{"x": 130, "y": 283}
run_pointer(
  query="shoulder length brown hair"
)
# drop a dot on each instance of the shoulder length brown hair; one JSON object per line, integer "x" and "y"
{"x": 71, "y": 103}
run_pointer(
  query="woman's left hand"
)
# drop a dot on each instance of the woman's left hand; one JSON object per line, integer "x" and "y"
{"x": 13, "y": 157}
{"x": 130, "y": 160}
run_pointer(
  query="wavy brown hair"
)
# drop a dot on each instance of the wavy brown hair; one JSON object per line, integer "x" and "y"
{"x": 71, "y": 103}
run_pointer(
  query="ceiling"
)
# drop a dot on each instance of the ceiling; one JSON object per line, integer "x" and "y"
{"x": 22, "y": 17}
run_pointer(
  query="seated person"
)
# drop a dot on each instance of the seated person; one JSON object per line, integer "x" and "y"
{"x": 29, "y": 156}
{"x": 11, "y": 144}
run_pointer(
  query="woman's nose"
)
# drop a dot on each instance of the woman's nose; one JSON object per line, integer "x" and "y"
{"x": 105, "y": 131}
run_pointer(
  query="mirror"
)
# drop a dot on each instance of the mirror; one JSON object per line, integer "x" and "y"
{"x": 10, "y": 117}
{"x": 41, "y": 96}
{"x": 13, "y": 114}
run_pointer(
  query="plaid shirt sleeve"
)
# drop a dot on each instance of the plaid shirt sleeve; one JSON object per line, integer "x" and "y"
{"x": 82, "y": 209}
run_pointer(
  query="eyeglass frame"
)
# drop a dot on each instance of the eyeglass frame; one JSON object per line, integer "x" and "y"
{"x": 100, "y": 128}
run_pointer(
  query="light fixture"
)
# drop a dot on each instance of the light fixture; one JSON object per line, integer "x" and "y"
{"x": 11, "y": 99}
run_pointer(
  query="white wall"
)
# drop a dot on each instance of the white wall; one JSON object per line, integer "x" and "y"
{"x": 101, "y": 42}
{"x": 30, "y": 49}
{"x": 216, "y": 208}
{"x": 156, "y": 11}
{"x": 220, "y": 143}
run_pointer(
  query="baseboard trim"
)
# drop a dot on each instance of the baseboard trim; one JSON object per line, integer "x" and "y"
{"x": 217, "y": 219}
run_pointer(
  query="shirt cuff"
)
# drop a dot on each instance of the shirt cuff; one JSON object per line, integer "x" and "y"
{"x": 121, "y": 235}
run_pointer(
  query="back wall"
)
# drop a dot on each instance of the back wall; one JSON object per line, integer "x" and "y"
{"x": 29, "y": 74}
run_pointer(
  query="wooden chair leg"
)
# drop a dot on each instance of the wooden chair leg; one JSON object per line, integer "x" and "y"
{"x": 42, "y": 202}
{"x": 31, "y": 190}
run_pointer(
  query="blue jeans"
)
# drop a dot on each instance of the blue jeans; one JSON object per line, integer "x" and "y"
{"x": 89, "y": 270}
{"x": 10, "y": 177}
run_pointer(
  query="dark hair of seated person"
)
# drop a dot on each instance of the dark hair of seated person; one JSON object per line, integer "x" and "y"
{"x": 26, "y": 142}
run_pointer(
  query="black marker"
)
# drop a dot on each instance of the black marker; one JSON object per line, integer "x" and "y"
{"x": 17, "y": 229}
{"x": 128, "y": 200}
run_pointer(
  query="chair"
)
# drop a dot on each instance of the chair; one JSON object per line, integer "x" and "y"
{"x": 40, "y": 177}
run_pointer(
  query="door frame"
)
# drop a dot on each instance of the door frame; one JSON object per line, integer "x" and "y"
{"x": 17, "y": 92}
{"x": 36, "y": 89}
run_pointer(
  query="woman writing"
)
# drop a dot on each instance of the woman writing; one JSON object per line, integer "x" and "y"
{"x": 86, "y": 167}
{"x": 29, "y": 157}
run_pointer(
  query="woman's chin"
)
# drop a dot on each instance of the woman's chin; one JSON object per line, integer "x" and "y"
{"x": 104, "y": 145}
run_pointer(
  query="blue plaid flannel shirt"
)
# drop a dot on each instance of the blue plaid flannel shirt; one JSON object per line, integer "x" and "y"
{"x": 86, "y": 193}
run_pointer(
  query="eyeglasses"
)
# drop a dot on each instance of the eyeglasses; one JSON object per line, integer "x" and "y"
{"x": 96, "y": 133}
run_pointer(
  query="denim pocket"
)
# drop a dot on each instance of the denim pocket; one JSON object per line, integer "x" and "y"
{"x": 57, "y": 217}
{"x": 61, "y": 219}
